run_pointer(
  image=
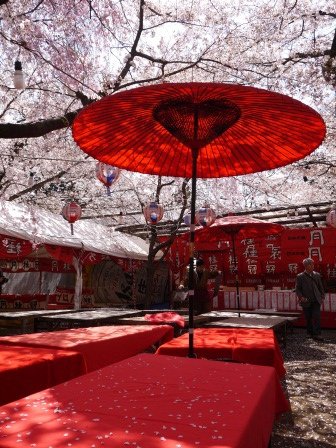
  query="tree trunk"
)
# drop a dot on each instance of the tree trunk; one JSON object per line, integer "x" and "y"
{"x": 77, "y": 263}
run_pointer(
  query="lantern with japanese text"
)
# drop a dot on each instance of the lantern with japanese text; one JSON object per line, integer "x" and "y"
{"x": 331, "y": 217}
{"x": 71, "y": 212}
{"x": 153, "y": 213}
{"x": 205, "y": 216}
{"x": 107, "y": 174}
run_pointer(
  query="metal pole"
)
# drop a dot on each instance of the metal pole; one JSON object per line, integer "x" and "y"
{"x": 236, "y": 271}
{"x": 194, "y": 151}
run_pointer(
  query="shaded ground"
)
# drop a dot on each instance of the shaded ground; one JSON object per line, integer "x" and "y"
{"x": 311, "y": 387}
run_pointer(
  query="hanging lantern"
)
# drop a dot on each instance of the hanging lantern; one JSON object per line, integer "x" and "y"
{"x": 31, "y": 179}
{"x": 205, "y": 216}
{"x": 187, "y": 219}
{"x": 153, "y": 213}
{"x": 19, "y": 82}
{"x": 331, "y": 218}
{"x": 107, "y": 174}
{"x": 71, "y": 212}
{"x": 121, "y": 218}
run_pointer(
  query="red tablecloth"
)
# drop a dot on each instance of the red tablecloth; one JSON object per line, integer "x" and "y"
{"x": 255, "y": 346}
{"x": 151, "y": 401}
{"x": 100, "y": 346}
{"x": 26, "y": 370}
{"x": 166, "y": 316}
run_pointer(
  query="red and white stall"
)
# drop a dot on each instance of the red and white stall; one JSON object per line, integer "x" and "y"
{"x": 267, "y": 267}
{"x": 49, "y": 266}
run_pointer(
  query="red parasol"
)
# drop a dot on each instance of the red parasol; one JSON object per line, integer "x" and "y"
{"x": 198, "y": 130}
{"x": 241, "y": 129}
{"x": 246, "y": 225}
{"x": 233, "y": 225}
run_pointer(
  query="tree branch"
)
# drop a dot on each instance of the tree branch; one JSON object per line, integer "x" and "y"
{"x": 333, "y": 47}
{"x": 313, "y": 55}
{"x": 36, "y": 186}
{"x": 128, "y": 63}
{"x": 36, "y": 128}
{"x": 39, "y": 185}
{"x": 331, "y": 14}
{"x": 33, "y": 9}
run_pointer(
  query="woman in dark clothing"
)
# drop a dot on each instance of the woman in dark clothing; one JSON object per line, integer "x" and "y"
{"x": 201, "y": 293}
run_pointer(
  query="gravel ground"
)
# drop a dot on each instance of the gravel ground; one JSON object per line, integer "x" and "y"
{"x": 310, "y": 384}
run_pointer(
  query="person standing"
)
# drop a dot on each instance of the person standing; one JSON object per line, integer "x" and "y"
{"x": 201, "y": 293}
{"x": 310, "y": 293}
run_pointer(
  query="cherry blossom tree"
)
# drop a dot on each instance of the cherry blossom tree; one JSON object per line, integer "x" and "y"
{"x": 75, "y": 52}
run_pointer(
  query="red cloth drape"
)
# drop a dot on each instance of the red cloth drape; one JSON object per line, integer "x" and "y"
{"x": 255, "y": 346}
{"x": 14, "y": 248}
{"x": 152, "y": 401}
{"x": 167, "y": 316}
{"x": 61, "y": 253}
{"x": 100, "y": 346}
{"x": 26, "y": 370}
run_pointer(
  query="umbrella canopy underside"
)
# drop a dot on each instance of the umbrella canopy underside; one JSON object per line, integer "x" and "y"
{"x": 235, "y": 129}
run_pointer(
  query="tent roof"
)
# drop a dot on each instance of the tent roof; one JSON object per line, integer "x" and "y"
{"x": 35, "y": 224}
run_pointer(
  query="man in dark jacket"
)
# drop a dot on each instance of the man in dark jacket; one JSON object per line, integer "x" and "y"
{"x": 310, "y": 293}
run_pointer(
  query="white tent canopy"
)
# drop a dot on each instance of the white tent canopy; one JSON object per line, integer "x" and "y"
{"x": 41, "y": 226}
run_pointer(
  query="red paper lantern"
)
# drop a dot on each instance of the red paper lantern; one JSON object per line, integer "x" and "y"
{"x": 107, "y": 174}
{"x": 331, "y": 217}
{"x": 71, "y": 212}
{"x": 153, "y": 213}
{"x": 205, "y": 216}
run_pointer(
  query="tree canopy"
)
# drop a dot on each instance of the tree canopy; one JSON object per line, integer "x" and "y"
{"x": 75, "y": 52}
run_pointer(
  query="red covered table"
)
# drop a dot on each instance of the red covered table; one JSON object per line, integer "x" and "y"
{"x": 255, "y": 346}
{"x": 150, "y": 401}
{"x": 26, "y": 370}
{"x": 100, "y": 346}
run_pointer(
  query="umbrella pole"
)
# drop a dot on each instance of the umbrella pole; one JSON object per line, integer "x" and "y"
{"x": 236, "y": 271}
{"x": 191, "y": 292}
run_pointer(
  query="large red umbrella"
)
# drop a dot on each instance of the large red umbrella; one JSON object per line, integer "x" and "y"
{"x": 233, "y": 225}
{"x": 198, "y": 130}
